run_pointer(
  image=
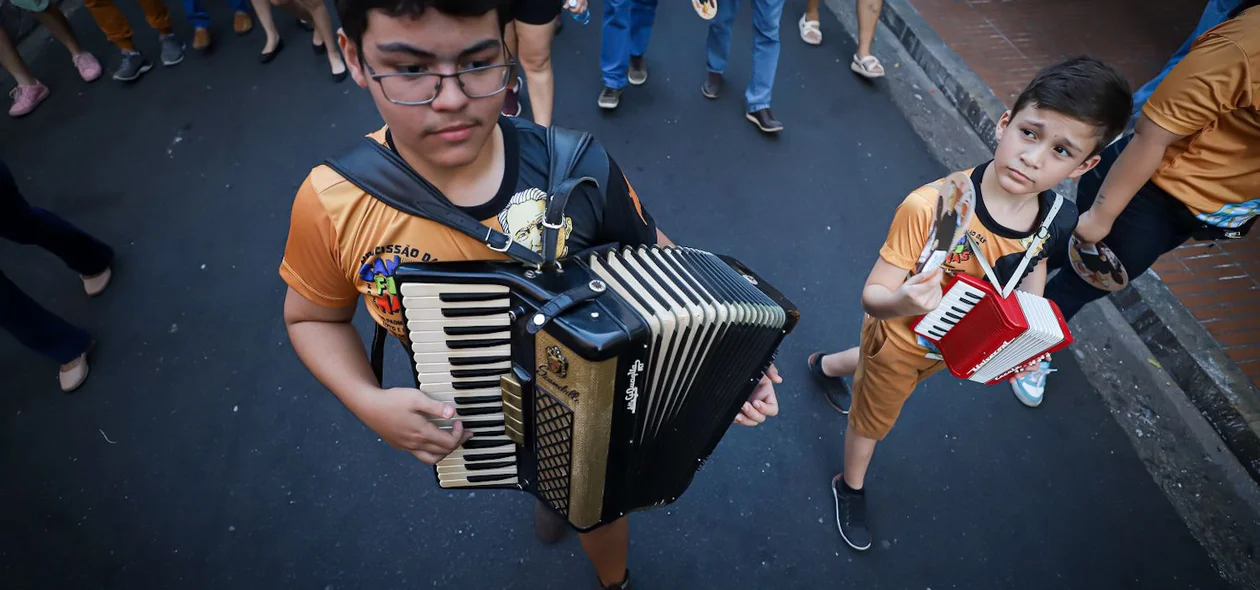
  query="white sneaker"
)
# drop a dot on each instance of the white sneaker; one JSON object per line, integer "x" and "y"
{"x": 1031, "y": 388}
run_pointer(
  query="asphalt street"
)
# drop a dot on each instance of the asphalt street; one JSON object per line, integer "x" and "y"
{"x": 201, "y": 454}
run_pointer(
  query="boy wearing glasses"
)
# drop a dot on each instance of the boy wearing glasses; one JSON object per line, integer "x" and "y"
{"x": 437, "y": 71}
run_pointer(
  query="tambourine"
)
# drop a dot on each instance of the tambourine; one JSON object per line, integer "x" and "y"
{"x": 1097, "y": 266}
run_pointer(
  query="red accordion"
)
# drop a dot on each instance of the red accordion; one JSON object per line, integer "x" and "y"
{"x": 985, "y": 337}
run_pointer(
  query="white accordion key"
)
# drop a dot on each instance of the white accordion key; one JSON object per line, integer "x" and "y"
{"x": 960, "y": 299}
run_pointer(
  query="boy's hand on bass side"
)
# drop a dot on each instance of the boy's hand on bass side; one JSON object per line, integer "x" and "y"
{"x": 762, "y": 403}
{"x": 921, "y": 293}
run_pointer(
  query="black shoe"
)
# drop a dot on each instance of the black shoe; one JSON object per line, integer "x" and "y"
{"x": 609, "y": 98}
{"x": 267, "y": 57}
{"x": 549, "y": 526}
{"x": 834, "y": 388}
{"x": 623, "y": 585}
{"x": 712, "y": 85}
{"x": 851, "y": 514}
{"x": 765, "y": 121}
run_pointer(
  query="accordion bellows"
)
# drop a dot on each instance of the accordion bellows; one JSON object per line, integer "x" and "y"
{"x": 984, "y": 337}
{"x": 617, "y": 401}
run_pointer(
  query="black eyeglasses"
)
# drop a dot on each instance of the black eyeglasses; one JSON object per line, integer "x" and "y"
{"x": 422, "y": 88}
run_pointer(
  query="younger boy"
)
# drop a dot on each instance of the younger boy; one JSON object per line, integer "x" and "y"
{"x": 1055, "y": 131}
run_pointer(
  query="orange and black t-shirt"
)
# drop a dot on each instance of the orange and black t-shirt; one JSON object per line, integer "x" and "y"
{"x": 344, "y": 244}
{"x": 1002, "y": 247}
{"x": 1213, "y": 98}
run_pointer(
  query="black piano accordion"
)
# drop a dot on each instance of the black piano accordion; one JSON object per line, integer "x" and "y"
{"x": 600, "y": 388}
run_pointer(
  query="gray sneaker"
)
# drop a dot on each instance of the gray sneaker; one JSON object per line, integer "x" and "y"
{"x": 172, "y": 50}
{"x": 609, "y": 98}
{"x": 638, "y": 71}
{"x": 132, "y": 66}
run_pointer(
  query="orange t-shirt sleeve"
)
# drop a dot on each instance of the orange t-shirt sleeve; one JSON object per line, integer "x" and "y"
{"x": 908, "y": 233}
{"x": 311, "y": 264}
{"x": 1212, "y": 79}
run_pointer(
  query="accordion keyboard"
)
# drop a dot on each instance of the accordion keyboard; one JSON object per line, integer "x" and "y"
{"x": 461, "y": 345}
{"x": 955, "y": 303}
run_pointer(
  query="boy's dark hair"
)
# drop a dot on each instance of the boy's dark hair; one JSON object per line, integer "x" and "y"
{"x": 354, "y": 13}
{"x": 1084, "y": 89}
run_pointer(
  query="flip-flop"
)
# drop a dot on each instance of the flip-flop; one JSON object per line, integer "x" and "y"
{"x": 834, "y": 388}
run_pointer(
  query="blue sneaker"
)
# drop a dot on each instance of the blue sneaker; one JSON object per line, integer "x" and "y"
{"x": 1031, "y": 388}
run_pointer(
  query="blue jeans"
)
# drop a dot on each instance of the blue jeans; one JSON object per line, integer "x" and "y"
{"x": 28, "y": 321}
{"x": 200, "y": 19}
{"x": 627, "y": 28}
{"x": 765, "y": 18}
{"x": 1213, "y": 14}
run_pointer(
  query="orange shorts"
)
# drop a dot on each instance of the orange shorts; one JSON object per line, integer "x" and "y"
{"x": 888, "y": 371}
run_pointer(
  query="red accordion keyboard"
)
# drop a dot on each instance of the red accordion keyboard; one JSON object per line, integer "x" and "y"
{"x": 985, "y": 337}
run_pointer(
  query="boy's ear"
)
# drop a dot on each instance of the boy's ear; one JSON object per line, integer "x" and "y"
{"x": 1001, "y": 125}
{"x": 350, "y": 53}
{"x": 1086, "y": 166}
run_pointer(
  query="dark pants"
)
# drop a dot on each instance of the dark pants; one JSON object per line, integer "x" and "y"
{"x": 34, "y": 326}
{"x": 1147, "y": 228}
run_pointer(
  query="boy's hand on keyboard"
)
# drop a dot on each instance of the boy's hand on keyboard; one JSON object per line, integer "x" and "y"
{"x": 402, "y": 416}
{"x": 921, "y": 293}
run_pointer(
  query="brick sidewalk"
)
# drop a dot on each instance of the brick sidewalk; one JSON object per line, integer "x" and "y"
{"x": 1006, "y": 41}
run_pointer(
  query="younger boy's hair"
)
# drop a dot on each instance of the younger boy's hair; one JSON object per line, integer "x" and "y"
{"x": 354, "y": 13}
{"x": 1084, "y": 89}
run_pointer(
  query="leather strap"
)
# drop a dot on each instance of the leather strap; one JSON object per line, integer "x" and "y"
{"x": 385, "y": 175}
{"x": 562, "y": 302}
{"x": 553, "y": 217}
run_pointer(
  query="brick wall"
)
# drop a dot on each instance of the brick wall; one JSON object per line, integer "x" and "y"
{"x": 1220, "y": 285}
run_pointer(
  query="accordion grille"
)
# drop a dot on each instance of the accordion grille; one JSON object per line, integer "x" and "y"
{"x": 554, "y": 449}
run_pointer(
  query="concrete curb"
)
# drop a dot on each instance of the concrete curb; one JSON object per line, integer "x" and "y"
{"x": 1209, "y": 378}
{"x": 1198, "y": 364}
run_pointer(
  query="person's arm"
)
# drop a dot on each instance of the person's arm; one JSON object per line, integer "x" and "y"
{"x": 889, "y": 294}
{"x": 1035, "y": 282}
{"x": 1211, "y": 80}
{"x": 1136, "y": 165}
{"x": 329, "y": 346}
{"x": 318, "y": 308}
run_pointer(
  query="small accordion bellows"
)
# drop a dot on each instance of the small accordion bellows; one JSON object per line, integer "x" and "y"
{"x": 985, "y": 337}
{"x": 600, "y": 388}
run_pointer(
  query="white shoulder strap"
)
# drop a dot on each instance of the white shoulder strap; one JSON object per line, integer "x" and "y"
{"x": 1043, "y": 234}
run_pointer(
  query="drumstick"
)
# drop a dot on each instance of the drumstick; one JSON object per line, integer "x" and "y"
{"x": 952, "y": 212}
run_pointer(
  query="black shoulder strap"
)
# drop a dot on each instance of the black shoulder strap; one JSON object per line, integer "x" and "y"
{"x": 385, "y": 175}
{"x": 574, "y": 158}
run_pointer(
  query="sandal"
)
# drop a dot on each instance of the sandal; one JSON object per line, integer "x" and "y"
{"x": 811, "y": 30}
{"x": 834, "y": 388}
{"x": 868, "y": 66}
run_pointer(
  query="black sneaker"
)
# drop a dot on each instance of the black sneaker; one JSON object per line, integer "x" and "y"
{"x": 851, "y": 514}
{"x": 834, "y": 388}
{"x": 712, "y": 85}
{"x": 609, "y": 98}
{"x": 765, "y": 121}
{"x": 638, "y": 71}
